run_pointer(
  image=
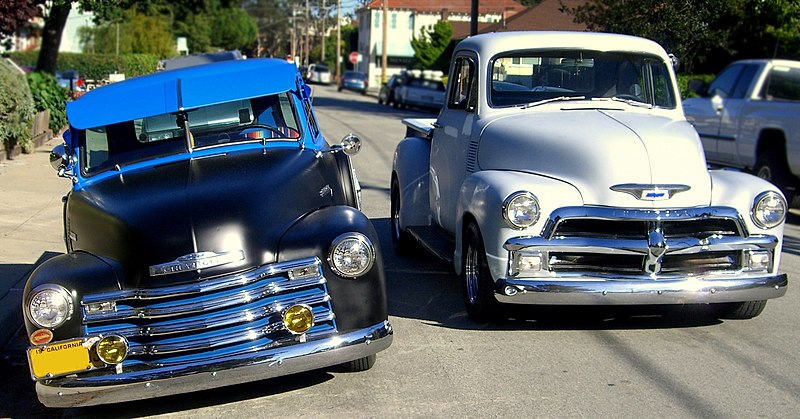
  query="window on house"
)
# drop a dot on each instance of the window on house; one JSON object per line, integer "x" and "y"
{"x": 394, "y": 21}
{"x": 411, "y": 22}
{"x": 377, "y": 19}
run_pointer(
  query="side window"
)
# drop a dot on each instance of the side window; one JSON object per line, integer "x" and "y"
{"x": 725, "y": 81}
{"x": 783, "y": 84}
{"x": 464, "y": 89}
{"x": 744, "y": 81}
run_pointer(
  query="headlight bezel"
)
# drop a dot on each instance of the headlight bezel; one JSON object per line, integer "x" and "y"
{"x": 338, "y": 247}
{"x": 756, "y": 209}
{"x": 510, "y": 203}
{"x": 53, "y": 290}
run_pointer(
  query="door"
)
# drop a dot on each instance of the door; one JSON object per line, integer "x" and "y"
{"x": 451, "y": 140}
{"x": 731, "y": 116}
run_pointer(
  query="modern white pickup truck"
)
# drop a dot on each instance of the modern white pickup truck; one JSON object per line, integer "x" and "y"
{"x": 561, "y": 170}
{"x": 749, "y": 118}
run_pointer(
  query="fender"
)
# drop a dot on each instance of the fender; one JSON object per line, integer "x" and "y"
{"x": 73, "y": 271}
{"x": 481, "y": 199}
{"x": 411, "y": 167}
{"x": 357, "y": 302}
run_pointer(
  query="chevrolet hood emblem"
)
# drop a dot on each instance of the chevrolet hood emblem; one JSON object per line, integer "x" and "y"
{"x": 196, "y": 262}
{"x": 650, "y": 192}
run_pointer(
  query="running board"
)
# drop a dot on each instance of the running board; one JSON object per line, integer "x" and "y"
{"x": 435, "y": 241}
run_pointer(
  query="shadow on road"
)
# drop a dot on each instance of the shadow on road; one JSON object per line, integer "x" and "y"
{"x": 374, "y": 107}
{"x": 422, "y": 287}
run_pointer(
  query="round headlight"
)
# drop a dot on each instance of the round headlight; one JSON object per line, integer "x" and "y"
{"x": 521, "y": 210}
{"x": 49, "y": 306}
{"x": 352, "y": 254}
{"x": 112, "y": 349}
{"x": 769, "y": 210}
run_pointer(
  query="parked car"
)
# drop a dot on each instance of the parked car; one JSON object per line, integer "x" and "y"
{"x": 353, "y": 80}
{"x": 748, "y": 119}
{"x": 386, "y": 93}
{"x": 213, "y": 237}
{"x": 71, "y": 80}
{"x": 318, "y": 73}
{"x": 419, "y": 91}
{"x": 582, "y": 185}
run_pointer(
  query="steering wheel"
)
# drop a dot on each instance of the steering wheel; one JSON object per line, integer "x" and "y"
{"x": 257, "y": 127}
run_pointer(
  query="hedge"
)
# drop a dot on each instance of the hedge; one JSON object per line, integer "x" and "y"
{"x": 16, "y": 109}
{"x": 47, "y": 94}
{"x": 95, "y": 66}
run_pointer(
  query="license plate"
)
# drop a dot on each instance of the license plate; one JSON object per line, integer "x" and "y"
{"x": 58, "y": 358}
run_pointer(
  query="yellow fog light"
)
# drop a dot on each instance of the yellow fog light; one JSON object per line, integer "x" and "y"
{"x": 298, "y": 319}
{"x": 112, "y": 349}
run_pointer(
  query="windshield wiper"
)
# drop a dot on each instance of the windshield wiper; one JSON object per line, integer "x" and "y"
{"x": 631, "y": 102}
{"x": 552, "y": 99}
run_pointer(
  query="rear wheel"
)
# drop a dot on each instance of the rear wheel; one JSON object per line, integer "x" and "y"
{"x": 740, "y": 311}
{"x": 401, "y": 240}
{"x": 772, "y": 166}
{"x": 478, "y": 286}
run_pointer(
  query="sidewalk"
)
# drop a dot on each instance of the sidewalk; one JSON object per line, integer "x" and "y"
{"x": 30, "y": 227}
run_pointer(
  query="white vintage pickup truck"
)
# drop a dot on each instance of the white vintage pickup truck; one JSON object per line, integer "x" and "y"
{"x": 748, "y": 118}
{"x": 562, "y": 171}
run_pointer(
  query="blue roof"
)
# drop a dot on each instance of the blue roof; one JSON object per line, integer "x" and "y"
{"x": 187, "y": 88}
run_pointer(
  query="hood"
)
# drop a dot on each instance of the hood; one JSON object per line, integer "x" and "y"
{"x": 235, "y": 205}
{"x": 595, "y": 150}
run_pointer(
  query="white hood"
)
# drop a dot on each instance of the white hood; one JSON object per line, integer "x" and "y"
{"x": 595, "y": 150}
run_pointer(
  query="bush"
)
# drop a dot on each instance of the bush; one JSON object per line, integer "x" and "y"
{"x": 683, "y": 83}
{"x": 95, "y": 66}
{"x": 16, "y": 109}
{"x": 47, "y": 94}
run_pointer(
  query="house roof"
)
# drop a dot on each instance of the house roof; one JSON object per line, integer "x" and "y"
{"x": 545, "y": 16}
{"x": 452, "y": 6}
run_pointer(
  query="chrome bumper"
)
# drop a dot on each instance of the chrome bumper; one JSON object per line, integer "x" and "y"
{"x": 72, "y": 391}
{"x": 602, "y": 291}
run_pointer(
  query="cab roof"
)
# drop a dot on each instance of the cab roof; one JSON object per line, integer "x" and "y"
{"x": 185, "y": 88}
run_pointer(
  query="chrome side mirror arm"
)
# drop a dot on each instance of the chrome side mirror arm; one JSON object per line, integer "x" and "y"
{"x": 63, "y": 159}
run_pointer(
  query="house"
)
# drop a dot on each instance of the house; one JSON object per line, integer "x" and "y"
{"x": 405, "y": 19}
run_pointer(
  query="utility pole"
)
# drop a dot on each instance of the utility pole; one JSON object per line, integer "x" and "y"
{"x": 338, "y": 37}
{"x": 385, "y": 39}
{"x": 307, "y": 52}
{"x": 324, "y": 16}
{"x": 473, "y": 21}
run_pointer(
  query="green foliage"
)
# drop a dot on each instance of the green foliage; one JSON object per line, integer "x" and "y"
{"x": 683, "y": 83}
{"x": 137, "y": 33}
{"x": 431, "y": 49}
{"x": 16, "y": 108}
{"x": 273, "y": 19}
{"x": 232, "y": 28}
{"x": 705, "y": 34}
{"x": 47, "y": 94}
{"x": 96, "y": 66}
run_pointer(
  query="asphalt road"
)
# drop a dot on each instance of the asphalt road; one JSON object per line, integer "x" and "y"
{"x": 636, "y": 362}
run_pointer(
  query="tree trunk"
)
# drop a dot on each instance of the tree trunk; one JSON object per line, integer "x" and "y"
{"x": 51, "y": 37}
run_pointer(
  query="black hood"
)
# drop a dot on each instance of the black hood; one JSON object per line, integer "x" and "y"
{"x": 230, "y": 204}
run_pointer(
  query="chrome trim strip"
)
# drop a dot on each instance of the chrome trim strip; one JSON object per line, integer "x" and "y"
{"x": 212, "y": 322}
{"x": 241, "y": 297}
{"x": 210, "y": 285}
{"x": 596, "y": 290}
{"x": 73, "y": 391}
{"x": 620, "y": 214}
{"x": 685, "y": 245}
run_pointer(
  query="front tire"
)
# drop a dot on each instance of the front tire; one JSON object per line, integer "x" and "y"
{"x": 401, "y": 240}
{"x": 740, "y": 311}
{"x": 477, "y": 282}
{"x": 359, "y": 365}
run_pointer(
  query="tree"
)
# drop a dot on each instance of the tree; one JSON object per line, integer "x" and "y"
{"x": 135, "y": 34}
{"x": 705, "y": 34}
{"x": 14, "y": 15}
{"x": 273, "y": 20}
{"x": 431, "y": 48}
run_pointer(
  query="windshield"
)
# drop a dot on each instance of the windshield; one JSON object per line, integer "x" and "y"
{"x": 266, "y": 118}
{"x": 525, "y": 77}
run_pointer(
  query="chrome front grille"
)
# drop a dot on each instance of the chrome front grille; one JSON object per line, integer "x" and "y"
{"x": 646, "y": 244}
{"x": 223, "y": 316}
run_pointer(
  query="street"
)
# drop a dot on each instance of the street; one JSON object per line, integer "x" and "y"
{"x": 560, "y": 362}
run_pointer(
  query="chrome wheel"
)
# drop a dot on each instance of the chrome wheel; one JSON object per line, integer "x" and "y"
{"x": 471, "y": 273}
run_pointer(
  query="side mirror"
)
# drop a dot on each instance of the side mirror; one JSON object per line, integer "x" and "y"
{"x": 698, "y": 86}
{"x": 351, "y": 144}
{"x": 676, "y": 62}
{"x": 63, "y": 159}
